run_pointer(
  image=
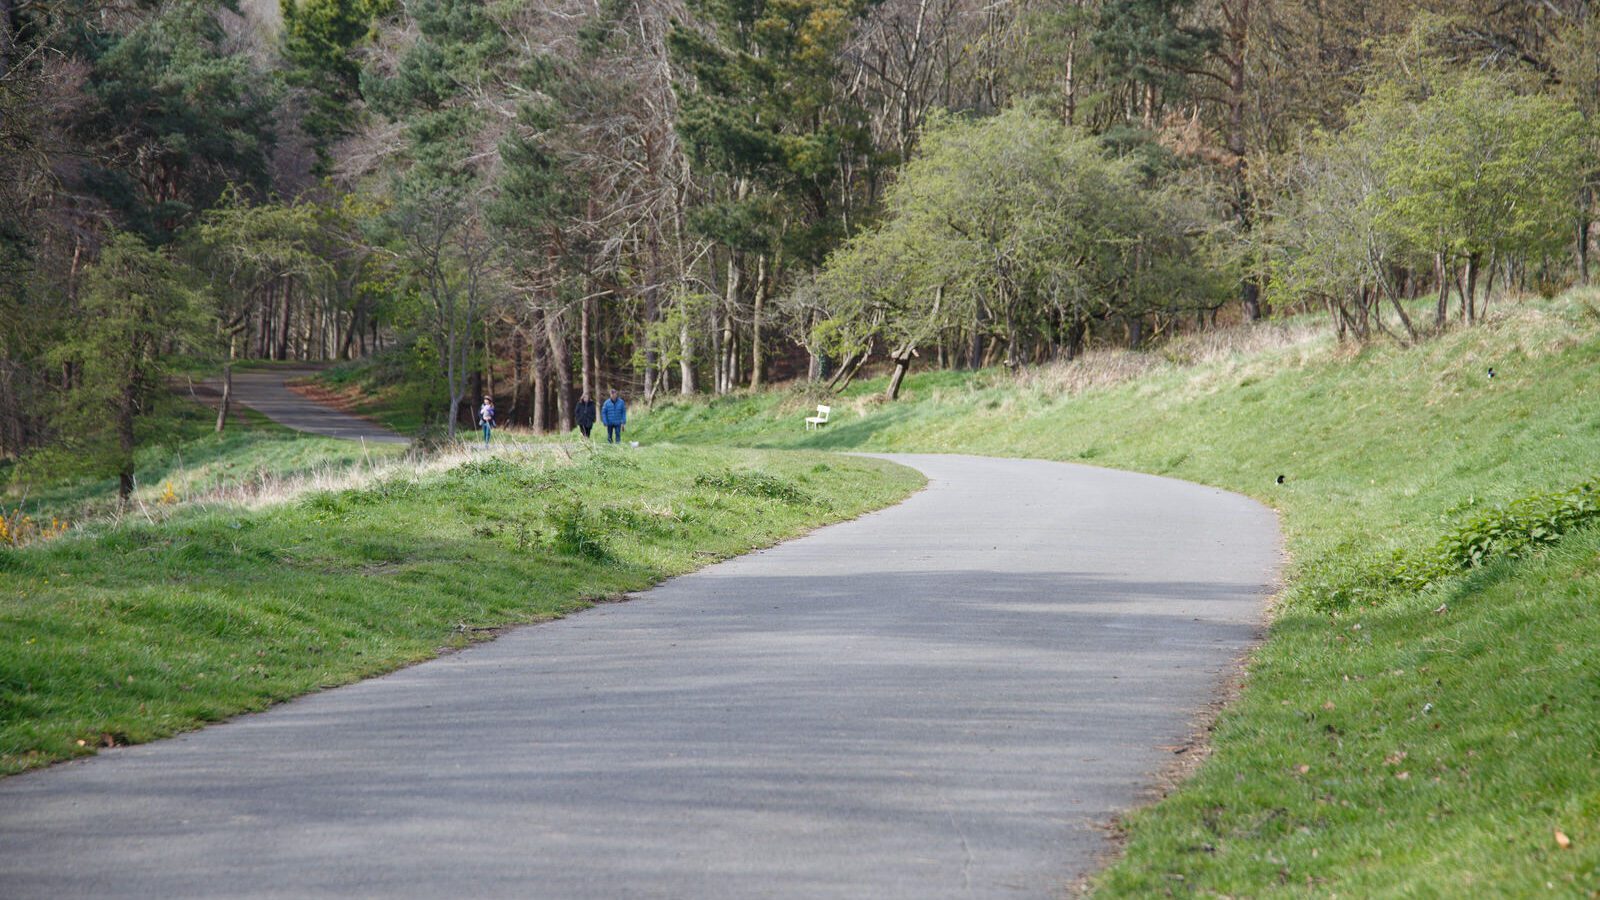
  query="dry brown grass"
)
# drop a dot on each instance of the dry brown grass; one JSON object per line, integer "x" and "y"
{"x": 266, "y": 488}
{"x": 1227, "y": 349}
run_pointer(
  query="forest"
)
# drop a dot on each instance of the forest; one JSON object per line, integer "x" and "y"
{"x": 538, "y": 200}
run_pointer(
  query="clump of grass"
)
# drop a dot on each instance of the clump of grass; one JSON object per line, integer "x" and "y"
{"x": 754, "y": 484}
{"x": 577, "y": 531}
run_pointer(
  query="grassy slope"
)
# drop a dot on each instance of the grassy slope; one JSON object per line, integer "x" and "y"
{"x": 380, "y": 390}
{"x": 188, "y": 455}
{"x": 129, "y": 633}
{"x": 1380, "y": 449}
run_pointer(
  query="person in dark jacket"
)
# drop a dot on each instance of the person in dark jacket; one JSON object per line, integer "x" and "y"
{"x": 614, "y": 414}
{"x": 583, "y": 414}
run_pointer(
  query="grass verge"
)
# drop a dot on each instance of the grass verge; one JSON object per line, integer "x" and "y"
{"x": 1487, "y": 707}
{"x": 130, "y": 633}
{"x": 183, "y": 459}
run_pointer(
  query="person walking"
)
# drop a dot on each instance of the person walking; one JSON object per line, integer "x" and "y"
{"x": 583, "y": 414}
{"x": 614, "y": 414}
{"x": 486, "y": 419}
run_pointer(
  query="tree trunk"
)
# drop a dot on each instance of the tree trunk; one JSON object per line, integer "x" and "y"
{"x": 975, "y": 348}
{"x": 1233, "y": 52}
{"x": 517, "y": 372}
{"x": 286, "y": 323}
{"x": 730, "y": 354}
{"x": 1074, "y": 341}
{"x": 730, "y": 303}
{"x": 1442, "y": 310}
{"x": 1400, "y": 310}
{"x": 848, "y": 373}
{"x": 1469, "y": 297}
{"x": 846, "y": 367}
{"x": 902, "y": 362}
{"x": 585, "y": 349}
{"x": 1071, "y": 85}
{"x": 686, "y": 357}
{"x": 227, "y": 385}
{"x": 555, "y": 329}
{"x": 536, "y": 385}
{"x": 756, "y": 361}
{"x": 125, "y": 441}
{"x": 1585, "y": 202}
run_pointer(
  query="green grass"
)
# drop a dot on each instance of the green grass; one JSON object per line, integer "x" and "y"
{"x": 181, "y": 449}
{"x": 1382, "y": 449}
{"x": 383, "y": 389}
{"x": 129, "y": 633}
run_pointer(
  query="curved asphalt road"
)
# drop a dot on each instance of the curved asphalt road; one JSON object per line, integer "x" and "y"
{"x": 942, "y": 699}
{"x": 266, "y": 392}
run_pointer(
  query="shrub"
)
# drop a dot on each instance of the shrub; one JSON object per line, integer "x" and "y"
{"x": 576, "y": 531}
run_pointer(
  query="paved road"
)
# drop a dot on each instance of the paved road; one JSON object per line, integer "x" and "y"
{"x": 265, "y": 392}
{"x": 942, "y": 699}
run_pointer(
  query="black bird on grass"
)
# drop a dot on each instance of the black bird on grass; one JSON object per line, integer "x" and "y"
{"x": 1491, "y": 371}
{"x": 1280, "y": 479}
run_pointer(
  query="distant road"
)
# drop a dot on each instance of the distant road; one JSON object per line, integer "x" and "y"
{"x": 948, "y": 698}
{"x": 266, "y": 392}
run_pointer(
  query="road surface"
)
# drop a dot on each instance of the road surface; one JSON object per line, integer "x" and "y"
{"x": 265, "y": 392}
{"x": 947, "y": 698}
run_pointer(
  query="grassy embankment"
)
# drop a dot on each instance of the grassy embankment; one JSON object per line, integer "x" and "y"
{"x": 183, "y": 460}
{"x": 126, "y": 633}
{"x": 382, "y": 390}
{"x": 1391, "y": 741}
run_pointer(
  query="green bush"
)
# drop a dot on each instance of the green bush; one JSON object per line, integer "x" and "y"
{"x": 1520, "y": 527}
{"x": 576, "y": 531}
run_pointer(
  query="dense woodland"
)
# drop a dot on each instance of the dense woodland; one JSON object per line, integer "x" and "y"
{"x": 542, "y": 198}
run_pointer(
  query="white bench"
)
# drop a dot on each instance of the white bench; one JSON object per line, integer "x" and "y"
{"x": 820, "y": 419}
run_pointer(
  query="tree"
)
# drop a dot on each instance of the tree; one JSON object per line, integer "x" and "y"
{"x": 319, "y": 41}
{"x": 1015, "y": 227}
{"x": 1478, "y": 171}
{"x": 137, "y": 310}
{"x": 180, "y": 113}
{"x": 246, "y": 251}
{"x": 763, "y": 108}
{"x": 435, "y": 226}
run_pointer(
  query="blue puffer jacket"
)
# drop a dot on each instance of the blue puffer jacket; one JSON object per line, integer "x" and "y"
{"x": 614, "y": 412}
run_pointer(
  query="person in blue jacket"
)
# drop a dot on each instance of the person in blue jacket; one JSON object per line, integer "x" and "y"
{"x": 614, "y": 414}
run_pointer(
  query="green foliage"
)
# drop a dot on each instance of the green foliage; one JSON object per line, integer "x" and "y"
{"x": 1151, "y": 42}
{"x": 136, "y": 309}
{"x": 1464, "y": 165}
{"x": 1019, "y": 221}
{"x": 577, "y": 531}
{"x": 1538, "y": 520}
{"x": 1476, "y": 167}
{"x": 319, "y": 40}
{"x": 182, "y": 113}
{"x": 1507, "y": 532}
{"x": 763, "y": 103}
